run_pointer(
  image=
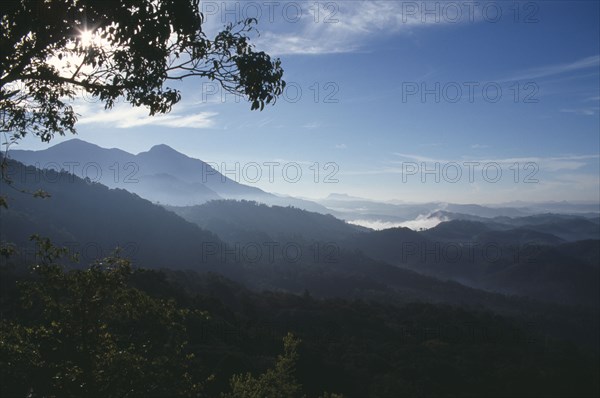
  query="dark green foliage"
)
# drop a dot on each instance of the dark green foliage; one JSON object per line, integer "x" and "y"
{"x": 114, "y": 329}
{"x": 92, "y": 332}
{"x": 278, "y": 382}
{"x": 362, "y": 348}
{"x": 87, "y": 333}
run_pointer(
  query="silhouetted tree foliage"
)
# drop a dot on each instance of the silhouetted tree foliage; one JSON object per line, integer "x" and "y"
{"x": 52, "y": 51}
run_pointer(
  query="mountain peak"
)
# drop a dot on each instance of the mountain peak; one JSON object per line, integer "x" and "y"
{"x": 75, "y": 143}
{"x": 163, "y": 149}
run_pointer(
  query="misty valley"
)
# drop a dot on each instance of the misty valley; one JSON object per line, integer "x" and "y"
{"x": 387, "y": 312}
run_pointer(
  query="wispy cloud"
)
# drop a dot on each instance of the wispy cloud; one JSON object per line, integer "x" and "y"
{"x": 582, "y": 111}
{"x": 551, "y": 164}
{"x": 556, "y": 69}
{"x": 124, "y": 116}
{"x": 312, "y": 125}
{"x": 566, "y": 177}
{"x": 544, "y": 164}
{"x": 314, "y": 28}
{"x": 348, "y": 26}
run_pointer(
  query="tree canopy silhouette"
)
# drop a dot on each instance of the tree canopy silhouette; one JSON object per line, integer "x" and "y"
{"x": 53, "y": 51}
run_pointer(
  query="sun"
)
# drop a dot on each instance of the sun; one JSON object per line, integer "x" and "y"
{"x": 87, "y": 37}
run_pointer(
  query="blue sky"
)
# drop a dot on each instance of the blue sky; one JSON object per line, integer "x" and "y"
{"x": 392, "y": 89}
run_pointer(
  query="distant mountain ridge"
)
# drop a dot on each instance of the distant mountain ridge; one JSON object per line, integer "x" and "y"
{"x": 94, "y": 220}
{"x": 397, "y": 213}
{"x": 519, "y": 256}
{"x": 160, "y": 174}
{"x": 245, "y": 221}
{"x": 495, "y": 256}
{"x": 565, "y": 227}
{"x": 252, "y": 244}
{"x": 166, "y": 176}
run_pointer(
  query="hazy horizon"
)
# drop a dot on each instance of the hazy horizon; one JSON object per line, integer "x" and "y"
{"x": 280, "y": 184}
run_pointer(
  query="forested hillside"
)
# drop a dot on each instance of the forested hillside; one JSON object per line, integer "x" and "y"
{"x": 155, "y": 333}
